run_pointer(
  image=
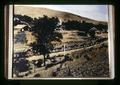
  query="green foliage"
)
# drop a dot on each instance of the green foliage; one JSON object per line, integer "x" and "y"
{"x": 77, "y": 25}
{"x": 83, "y": 26}
{"x": 102, "y": 27}
{"x": 21, "y": 19}
{"x": 44, "y": 30}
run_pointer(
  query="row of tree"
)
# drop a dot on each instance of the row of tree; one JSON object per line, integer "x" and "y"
{"x": 83, "y": 26}
{"x": 18, "y": 18}
{"x": 69, "y": 25}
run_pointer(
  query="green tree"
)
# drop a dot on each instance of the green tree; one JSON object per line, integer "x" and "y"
{"x": 92, "y": 32}
{"x": 44, "y": 30}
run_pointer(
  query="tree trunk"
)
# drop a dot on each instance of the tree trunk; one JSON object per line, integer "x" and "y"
{"x": 44, "y": 60}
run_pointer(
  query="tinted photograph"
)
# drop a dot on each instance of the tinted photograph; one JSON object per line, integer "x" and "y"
{"x": 60, "y": 42}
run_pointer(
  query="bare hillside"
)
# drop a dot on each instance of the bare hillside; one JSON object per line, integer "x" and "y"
{"x": 39, "y": 12}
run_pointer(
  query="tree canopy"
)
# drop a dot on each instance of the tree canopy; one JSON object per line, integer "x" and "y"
{"x": 44, "y": 31}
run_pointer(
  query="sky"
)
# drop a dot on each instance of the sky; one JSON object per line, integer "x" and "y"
{"x": 96, "y": 12}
